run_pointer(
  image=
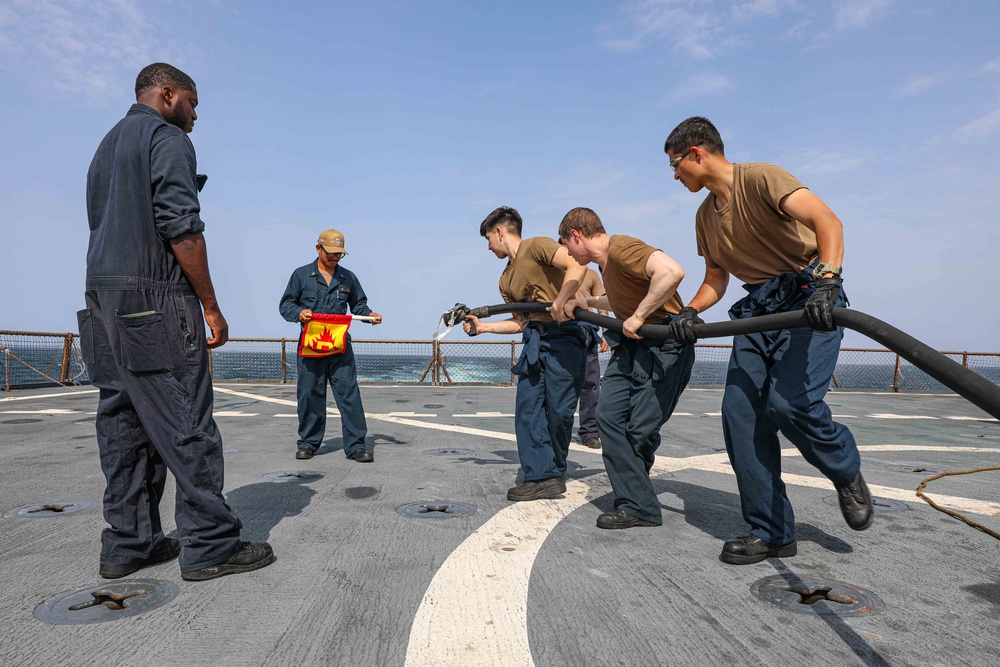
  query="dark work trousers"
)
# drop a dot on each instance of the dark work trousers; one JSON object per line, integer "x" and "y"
{"x": 550, "y": 371}
{"x": 640, "y": 389}
{"x": 589, "y": 395}
{"x": 146, "y": 352}
{"x": 340, "y": 372}
{"x": 777, "y": 381}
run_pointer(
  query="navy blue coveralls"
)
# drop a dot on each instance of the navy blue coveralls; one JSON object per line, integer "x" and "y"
{"x": 307, "y": 290}
{"x": 550, "y": 376}
{"x": 777, "y": 381}
{"x": 590, "y": 393}
{"x": 641, "y": 387}
{"x": 142, "y": 336}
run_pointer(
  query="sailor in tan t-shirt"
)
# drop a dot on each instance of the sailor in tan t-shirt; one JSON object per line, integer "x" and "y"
{"x": 554, "y": 354}
{"x": 760, "y": 224}
{"x": 644, "y": 378}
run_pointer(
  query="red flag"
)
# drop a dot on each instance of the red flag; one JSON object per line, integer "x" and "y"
{"x": 324, "y": 335}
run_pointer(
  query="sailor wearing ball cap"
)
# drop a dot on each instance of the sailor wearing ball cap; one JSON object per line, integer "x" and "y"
{"x": 324, "y": 286}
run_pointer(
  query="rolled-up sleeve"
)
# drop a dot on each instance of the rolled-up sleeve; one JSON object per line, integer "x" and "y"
{"x": 289, "y": 305}
{"x": 172, "y": 169}
{"x": 358, "y": 301}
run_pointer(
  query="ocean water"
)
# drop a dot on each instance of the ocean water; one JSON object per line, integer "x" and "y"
{"x": 37, "y": 363}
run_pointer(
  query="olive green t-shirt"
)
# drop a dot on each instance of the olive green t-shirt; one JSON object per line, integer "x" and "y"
{"x": 752, "y": 238}
{"x": 530, "y": 277}
{"x": 626, "y": 281}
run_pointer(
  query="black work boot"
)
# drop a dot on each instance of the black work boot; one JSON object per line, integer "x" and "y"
{"x": 250, "y": 556}
{"x": 621, "y": 519}
{"x": 167, "y": 549}
{"x": 856, "y": 503}
{"x": 747, "y": 549}
{"x": 544, "y": 488}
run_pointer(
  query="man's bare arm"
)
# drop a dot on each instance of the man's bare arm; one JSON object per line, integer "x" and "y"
{"x": 575, "y": 273}
{"x": 665, "y": 274}
{"x": 712, "y": 289}
{"x": 192, "y": 256}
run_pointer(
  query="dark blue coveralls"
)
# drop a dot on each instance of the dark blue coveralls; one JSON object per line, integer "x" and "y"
{"x": 142, "y": 336}
{"x": 777, "y": 381}
{"x": 591, "y": 390}
{"x": 550, "y": 375}
{"x": 307, "y": 289}
{"x": 640, "y": 389}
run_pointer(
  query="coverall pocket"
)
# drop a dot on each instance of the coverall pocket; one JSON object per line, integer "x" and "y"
{"x": 144, "y": 343}
{"x": 85, "y": 323}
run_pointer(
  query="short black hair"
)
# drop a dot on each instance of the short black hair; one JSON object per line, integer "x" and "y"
{"x": 504, "y": 216}
{"x": 695, "y": 131}
{"x": 159, "y": 74}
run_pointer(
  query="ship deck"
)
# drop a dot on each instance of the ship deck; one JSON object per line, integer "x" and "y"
{"x": 358, "y": 583}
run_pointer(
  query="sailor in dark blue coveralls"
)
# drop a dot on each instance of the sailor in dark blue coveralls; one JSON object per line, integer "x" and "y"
{"x": 143, "y": 338}
{"x": 762, "y": 225}
{"x": 554, "y": 356}
{"x": 324, "y": 286}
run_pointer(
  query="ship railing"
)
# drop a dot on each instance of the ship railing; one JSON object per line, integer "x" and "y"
{"x": 36, "y": 359}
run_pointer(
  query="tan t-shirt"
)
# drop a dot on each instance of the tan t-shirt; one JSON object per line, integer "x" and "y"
{"x": 591, "y": 285}
{"x": 531, "y": 277}
{"x": 751, "y": 237}
{"x": 626, "y": 281}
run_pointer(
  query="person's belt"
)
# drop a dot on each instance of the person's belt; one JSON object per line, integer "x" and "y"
{"x": 138, "y": 284}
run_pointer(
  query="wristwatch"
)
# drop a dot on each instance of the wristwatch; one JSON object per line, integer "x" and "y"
{"x": 823, "y": 267}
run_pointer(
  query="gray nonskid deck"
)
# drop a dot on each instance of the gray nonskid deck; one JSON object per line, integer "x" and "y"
{"x": 356, "y": 583}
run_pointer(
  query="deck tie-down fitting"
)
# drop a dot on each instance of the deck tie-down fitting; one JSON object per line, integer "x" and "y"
{"x": 109, "y": 599}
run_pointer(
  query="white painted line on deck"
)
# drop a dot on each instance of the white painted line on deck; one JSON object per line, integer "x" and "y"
{"x": 384, "y": 417}
{"x": 39, "y": 396}
{"x": 411, "y": 414}
{"x": 48, "y": 411}
{"x": 234, "y": 413}
{"x": 482, "y": 415}
{"x": 889, "y": 415}
{"x": 475, "y": 610}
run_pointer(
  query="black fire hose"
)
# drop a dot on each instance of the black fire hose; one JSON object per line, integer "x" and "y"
{"x": 970, "y": 385}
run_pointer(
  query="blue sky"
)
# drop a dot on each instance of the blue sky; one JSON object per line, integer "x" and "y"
{"x": 403, "y": 124}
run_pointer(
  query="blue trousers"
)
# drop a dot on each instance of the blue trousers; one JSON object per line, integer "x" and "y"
{"x": 550, "y": 373}
{"x": 589, "y": 396}
{"x": 639, "y": 392}
{"x": 777, "y": 382}
{"x": 146, "y": 352}
{"x": 340, "y": 372}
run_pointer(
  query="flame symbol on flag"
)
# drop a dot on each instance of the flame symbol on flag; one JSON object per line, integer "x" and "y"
{"x": 324, "y": 335}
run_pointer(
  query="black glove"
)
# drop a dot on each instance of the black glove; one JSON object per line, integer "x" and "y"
{"x": 682, "y": 326}
{"x": 819, "y": 305}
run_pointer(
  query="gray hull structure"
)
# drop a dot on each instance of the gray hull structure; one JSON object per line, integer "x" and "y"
{"x": 356, "y": 582}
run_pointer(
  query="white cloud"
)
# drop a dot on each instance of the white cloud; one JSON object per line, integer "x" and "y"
{"x": 821, "y": 160}
{"x": 704, "y": 29}
{"x": 981, "y": 128}
{"x": 89, "y": 48}
{"x": 705, "y": 83}
{"x": 852, "y": 14}
{"x": 920, "y": 83}
{"x": 992, "y": 66}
